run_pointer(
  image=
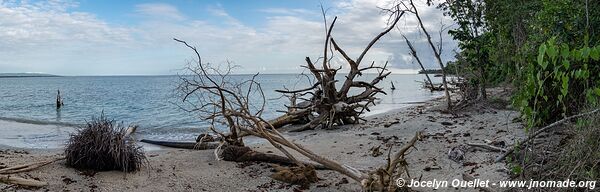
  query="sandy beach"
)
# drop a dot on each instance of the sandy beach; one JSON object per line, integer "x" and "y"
{"x": 191, "y": 170}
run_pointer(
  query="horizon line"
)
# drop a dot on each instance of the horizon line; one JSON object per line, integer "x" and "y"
{"x": 394, "y": 72}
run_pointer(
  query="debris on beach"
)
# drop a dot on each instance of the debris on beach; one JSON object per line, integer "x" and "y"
{"x": 375, "y": 152}
{"x": 457, "y": 154}
{"x": 302, "y": 176}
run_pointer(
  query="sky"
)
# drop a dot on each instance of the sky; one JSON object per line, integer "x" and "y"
{"x": 124, "y": 37}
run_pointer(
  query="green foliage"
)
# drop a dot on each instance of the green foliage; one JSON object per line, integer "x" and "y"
{"x": 542, "y": 46}
{"x": 510, "y": 27}
{"x": 566, "y": 21}
{"x": 559, "y": 83}
{"x": 550, "y": 50}
{"x": 472, "y": 36}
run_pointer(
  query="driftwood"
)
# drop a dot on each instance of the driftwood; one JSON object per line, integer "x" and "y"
{"x": 329, "y": 105}
{"x": 27, "y": 167}
{"x": 391, "y": 168}
{"x": 183, "y": 145}
{"x": 409, "y": 6}
{"x": 21, "y": 181}
{"x": 544, "y": 129}
{"x": 436, "y": 52}
{"x": 231, "y": 153}
{"x": 223, "y": 102}
{"x": 24, "y": 168}
{"x": 211, "y": 94}
{"x": 434, "y": 87}
{"x": 488, "y": 147}
{"x": 413, "y": 52}
{"x": 245, "y": 154}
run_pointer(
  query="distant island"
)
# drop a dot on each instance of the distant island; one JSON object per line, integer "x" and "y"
{"x": 7, "y": 75}
{"x": 430, "y": 71}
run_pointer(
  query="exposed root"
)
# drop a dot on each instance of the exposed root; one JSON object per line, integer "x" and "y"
{"x": 244, "y": 154}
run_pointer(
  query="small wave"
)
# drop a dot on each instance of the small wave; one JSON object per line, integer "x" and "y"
{"x": 39, "y": 122}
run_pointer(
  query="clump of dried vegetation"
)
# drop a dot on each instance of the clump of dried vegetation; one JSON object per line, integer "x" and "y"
{"x": 579, "y": 157}
{"x": 104, "y": 145}
{"x": 564, "y": 149}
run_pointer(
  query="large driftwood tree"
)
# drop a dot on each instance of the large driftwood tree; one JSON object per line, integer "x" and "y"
{"x": 324, "y": 104}
{"x": 226, "y": 102}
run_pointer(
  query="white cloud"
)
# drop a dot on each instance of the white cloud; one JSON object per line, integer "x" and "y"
{"x": 159, "y": 11}
{"x": 44, "y": 36}
{"x": 287, "y": 11}
{"x": 80, "y": 43}
{"x": 43, "y": 23}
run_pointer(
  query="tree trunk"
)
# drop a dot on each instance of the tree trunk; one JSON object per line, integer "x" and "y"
{"x": 413, "y": 52}
{"x": 289, "y": 118}
{"x": 482, "y": 91}
{"x": 437, "y": 56}
{"x": 183, "y": 145}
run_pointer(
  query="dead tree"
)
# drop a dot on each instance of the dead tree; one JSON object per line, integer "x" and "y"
{"x": 324, "y": 103}
{"x": 409, "y": 6}
{"x": 215, "y": 97}
{"x": 413, "y": 52}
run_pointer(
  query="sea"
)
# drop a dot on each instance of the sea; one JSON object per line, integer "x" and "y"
{"x": 153, "y": 102}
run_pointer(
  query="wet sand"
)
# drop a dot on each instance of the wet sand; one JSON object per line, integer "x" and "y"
{"x": 24, "y": 135}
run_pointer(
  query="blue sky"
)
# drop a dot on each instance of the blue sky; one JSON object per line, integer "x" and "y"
{"x": 135, "y": 37}
{"x": 248, "y": 12}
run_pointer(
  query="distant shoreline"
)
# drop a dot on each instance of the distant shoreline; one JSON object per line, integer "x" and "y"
{"x": 430, "y": 71}
{"x": 25, "y": 76}
{"x": 22, "y": 75}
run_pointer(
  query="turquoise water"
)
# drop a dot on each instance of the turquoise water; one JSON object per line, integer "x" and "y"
{"x": 151, "y": 102}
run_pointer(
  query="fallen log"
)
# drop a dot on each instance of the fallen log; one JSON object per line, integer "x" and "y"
{"x": 183, "y": 145}
{"x": 231, "y": 153}
{"x": 245, "y": 154}
{"x": 287, "y": 119}
{"x": 9, "y": 179}
{"x": 27, "y": 167}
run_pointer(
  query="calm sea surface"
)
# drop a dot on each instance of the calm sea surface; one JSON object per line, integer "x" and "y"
{"x": 151, "y": 102}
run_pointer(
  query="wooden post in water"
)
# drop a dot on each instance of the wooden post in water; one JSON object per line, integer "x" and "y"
{"x": 59, "y": 101}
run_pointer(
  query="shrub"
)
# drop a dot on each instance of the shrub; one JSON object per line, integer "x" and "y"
{"x": 102, "y": 145}
{"x": 561, "y": 82}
